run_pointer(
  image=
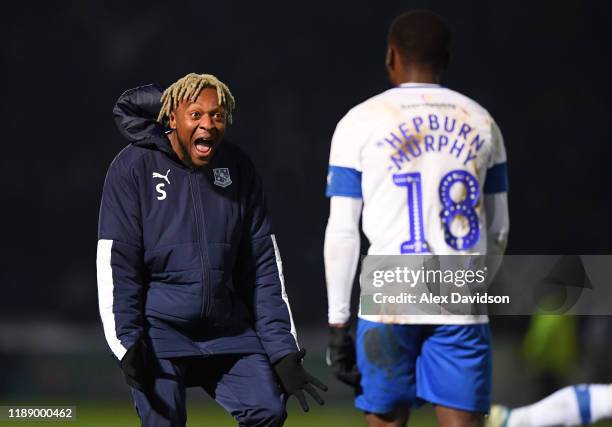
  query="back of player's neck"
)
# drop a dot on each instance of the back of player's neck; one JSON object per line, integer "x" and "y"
{"x": 416, "y": 76}
{"x": 419, "y": 83}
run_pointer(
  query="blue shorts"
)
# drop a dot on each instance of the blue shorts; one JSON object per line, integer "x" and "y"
{"x": 447, "y": 365}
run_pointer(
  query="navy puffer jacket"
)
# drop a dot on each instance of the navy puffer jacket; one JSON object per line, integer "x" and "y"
{"x": 186, "y": 257}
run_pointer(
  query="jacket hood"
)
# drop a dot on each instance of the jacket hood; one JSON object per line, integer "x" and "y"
{"x": 136, "y": 113}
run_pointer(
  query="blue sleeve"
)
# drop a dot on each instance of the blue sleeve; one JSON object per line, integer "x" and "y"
{"x": 496, "y": 180}
{"x": 260, "y": 265}
{"x": 120, "y": 265}
{"x": 343, "y": 181}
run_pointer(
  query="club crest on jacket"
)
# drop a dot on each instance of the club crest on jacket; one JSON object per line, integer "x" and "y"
{"x": 222, "y": 177}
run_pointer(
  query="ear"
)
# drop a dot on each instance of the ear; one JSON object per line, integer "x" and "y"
{"x": 390, "y": 58}
{"x": 172, "y": 120}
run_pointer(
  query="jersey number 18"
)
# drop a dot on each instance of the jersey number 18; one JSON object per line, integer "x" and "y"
{"x": 450, "y": 210}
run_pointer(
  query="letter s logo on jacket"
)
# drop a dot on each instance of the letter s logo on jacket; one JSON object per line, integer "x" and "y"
{"x": 160, "y": 187}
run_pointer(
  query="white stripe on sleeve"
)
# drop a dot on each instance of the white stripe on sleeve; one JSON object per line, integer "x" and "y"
{"x": 105, "y": 296}
{"x": 279, "y": 265}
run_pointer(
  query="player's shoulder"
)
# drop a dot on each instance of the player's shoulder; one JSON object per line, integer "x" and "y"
{"x": 364, "y": 113}
{"x": 466, "y": 102}
{"x": 366, "y": 108}
{"x": 128, "y": 158}
{"x": 381, "y": 101}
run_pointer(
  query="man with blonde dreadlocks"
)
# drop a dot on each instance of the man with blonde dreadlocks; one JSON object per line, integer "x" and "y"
{"x": 190, "y": 281}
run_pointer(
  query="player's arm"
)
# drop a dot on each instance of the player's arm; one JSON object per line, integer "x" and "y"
{"x": 341, "y": 255}
{"x": 342, "y": 244}
{"x": 496, "y": 197}
{"x": 120, "y": 272}
{"x": 120, "y": 261}
{"x": 342, "y": 238}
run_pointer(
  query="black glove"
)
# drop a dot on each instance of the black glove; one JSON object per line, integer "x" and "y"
{"x": 294, "y": 379}
{"x": 341, "y": 356}
{"x": 135, "y": 367}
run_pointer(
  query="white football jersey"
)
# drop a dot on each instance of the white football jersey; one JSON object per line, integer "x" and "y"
{"x": 421, "y": 157}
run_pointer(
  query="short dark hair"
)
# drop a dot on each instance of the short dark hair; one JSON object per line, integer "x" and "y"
{"x": 421, "y": 37}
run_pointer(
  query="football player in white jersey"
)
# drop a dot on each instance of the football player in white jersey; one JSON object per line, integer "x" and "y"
{"x": 425, "y": 169}
{"x": 575, "y": 405}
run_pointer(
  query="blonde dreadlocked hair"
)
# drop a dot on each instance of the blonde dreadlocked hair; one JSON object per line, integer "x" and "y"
{"x": 188, "y": 89}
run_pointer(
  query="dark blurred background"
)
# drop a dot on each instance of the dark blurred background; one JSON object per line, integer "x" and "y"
{"x": 295, "y": 68}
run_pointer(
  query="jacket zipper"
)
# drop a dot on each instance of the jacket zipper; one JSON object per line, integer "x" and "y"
{"x": 201, "y": 231}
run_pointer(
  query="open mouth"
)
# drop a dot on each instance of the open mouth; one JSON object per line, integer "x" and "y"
{"x": 204, "y": 146}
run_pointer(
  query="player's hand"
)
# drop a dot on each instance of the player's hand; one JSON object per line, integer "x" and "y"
{"x": 341, "y": 356}
{"x": 135, "y": 367}
{"x": 295, "y": 380}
